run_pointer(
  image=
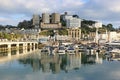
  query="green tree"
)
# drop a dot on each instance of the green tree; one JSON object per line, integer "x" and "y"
{"x": 25, "y": 24}
{"x": 44, "y": 33}
{"x": 49, "y": 32}
{"x": 7, "y": 36}
{"x": 1, "y": 35}
{"x": 110, "y": 27}
{"x": 63, "y": 32}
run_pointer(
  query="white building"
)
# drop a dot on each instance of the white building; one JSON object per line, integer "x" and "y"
{"x": 62, "y": 37}
{"x": 118, "y": 36}
{"x": 110, "y": 36}
{"x": 103, "y": 38}
{"x": 73, "y": 23}
{"x": 66, "y": 17}
{"x": 97, "y": 25}
{"x": 30, "y": 34}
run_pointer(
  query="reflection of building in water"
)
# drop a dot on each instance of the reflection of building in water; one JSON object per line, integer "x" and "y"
{"x": 45, "y": 63}
{"x": 73, "y": 61}
{"x": 55, "y": 67}
{"x": 50, "y": 63}
{"x": 113, "y": 55}
{"x": 36, "y": 64}
{"x": 90, "y": 59}
{"x": 46, "y": 67}
{"x": 98, "y": 59}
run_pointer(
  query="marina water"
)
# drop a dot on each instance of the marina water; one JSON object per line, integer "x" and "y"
{"x": 37, "y": 66}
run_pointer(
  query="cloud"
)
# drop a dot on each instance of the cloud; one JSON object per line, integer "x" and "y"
{"x": 103, "y": 10}
{"x": 111, "y": 5}
{"x": 23, "y": 6}
{"x": 27, "y": 8}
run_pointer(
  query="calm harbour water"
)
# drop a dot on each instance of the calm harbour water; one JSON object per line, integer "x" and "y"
{"x": 59, "y": 67}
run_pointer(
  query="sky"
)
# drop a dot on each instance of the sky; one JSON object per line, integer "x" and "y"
{"x": 106, "y": 11}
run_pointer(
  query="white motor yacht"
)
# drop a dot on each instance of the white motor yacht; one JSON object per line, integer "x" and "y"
{"x": 71, "y": 50}
{"x": 61, "y": 50}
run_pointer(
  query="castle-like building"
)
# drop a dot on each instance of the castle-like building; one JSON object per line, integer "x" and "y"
{"x": 47, "y": 21}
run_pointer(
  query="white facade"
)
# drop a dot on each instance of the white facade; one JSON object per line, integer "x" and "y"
{"x": 62, "y": 37}
{"x": 118, "y": 36}
{"x": 110, "y": 36}
{"x": 43, "y": 39}
{"x": 103, "y": 36}
{"x": 73, "y": 23}
{"x": 66, "y": 17}
{"x": 30, "y": 34}
{"x": 97, "y": 25}
{"x": 114, "y": 36}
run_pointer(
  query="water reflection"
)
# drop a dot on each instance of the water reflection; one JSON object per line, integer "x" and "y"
{"x": 92, "y": 59}
{"x": 55, "y": 64}
{"x": 78, "y": 66}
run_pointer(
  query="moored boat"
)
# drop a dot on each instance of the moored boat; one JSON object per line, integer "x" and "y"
{"x": 71, "y": 50}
